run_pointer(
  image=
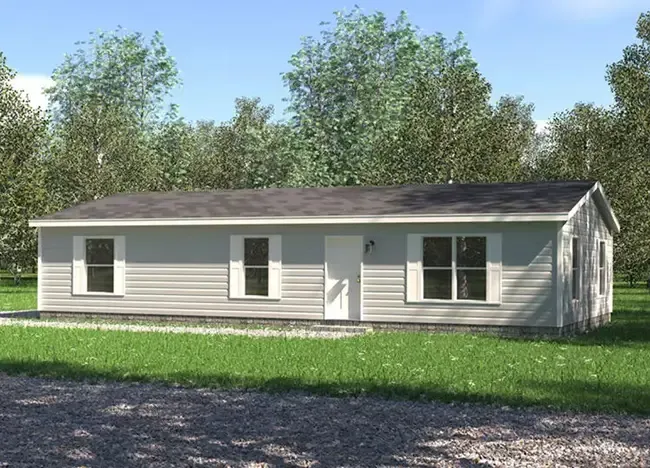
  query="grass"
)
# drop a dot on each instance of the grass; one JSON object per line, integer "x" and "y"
{"x": 21, "y": 297}
{"x": 603, "y": 371}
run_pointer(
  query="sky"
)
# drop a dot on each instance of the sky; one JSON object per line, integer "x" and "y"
{"x": 552, "y": 52}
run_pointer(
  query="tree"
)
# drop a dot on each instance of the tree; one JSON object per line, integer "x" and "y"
{"x": 451, "y": 132}
{"x": 115, "y": 69}
{"x": 508, "y": 138}
{"x": 247, "y": 152}
{"x": 348, "y": 89}
{"x": 173, "y": 144}
{"x": 629, "y": 79}
{"x": 97, "y": 152}
{"x": 107, "y": 102}
{"x": 381, "y": 103}
{"x": 22, "y": 130}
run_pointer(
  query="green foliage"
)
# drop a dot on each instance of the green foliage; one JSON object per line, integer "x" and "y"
{"x": 382, "y": 103}
{"x": 370, "y": 102}
{"x": 247, "y": 152}
{"x": 602, "y": 371}
{"x": 117, "y": 69}
{"x": 22, "y": 197}
{"x": 611, "y": 145}
{"x": 99, "y": 151}
{"x": 348, "y": 89}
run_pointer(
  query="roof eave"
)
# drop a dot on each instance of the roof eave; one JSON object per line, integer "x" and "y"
{"x": 304, "y": 220}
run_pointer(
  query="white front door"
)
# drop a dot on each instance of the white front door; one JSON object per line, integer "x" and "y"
{"x": 343, "y": 257}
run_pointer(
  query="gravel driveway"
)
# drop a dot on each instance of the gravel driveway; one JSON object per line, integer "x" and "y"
{"x": 59, "y": 423}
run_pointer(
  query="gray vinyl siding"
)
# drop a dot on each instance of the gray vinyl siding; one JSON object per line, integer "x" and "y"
{"x": 184, "y": 271}
{"x": 590, "y": 227}
{"x": 528, "y": 296}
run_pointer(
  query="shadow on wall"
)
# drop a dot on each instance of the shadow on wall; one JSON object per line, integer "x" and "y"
{"x": 126, "y": 424}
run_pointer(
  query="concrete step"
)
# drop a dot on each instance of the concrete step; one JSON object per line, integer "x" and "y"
{"x": 342, "y": 328}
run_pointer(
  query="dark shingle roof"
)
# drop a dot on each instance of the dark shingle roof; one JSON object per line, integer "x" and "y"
{"x": 444, "y": 199}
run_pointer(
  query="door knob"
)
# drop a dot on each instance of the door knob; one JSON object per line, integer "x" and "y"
{"x": 358, "y": 278}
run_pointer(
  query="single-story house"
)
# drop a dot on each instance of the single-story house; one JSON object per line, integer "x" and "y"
{"x": 537, "y": 256}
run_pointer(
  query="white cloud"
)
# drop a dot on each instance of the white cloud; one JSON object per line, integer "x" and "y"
{"x": 32, "y": 86}
{"x": 565, "y": 9}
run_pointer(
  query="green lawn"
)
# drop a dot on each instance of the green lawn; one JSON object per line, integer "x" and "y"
{"x": 607, "y": 370}
{"x": 21, "y": 297}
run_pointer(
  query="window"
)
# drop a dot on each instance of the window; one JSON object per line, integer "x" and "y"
{"x": 437, "y": 267}
{"x": 256, "y": 266}
{"x": 601, "y": 267}
{"x": 100, "y": 256}
{"x": 98, "y": 265}
{"x": 575, "y": 268}
{"x": 454, "y": 268}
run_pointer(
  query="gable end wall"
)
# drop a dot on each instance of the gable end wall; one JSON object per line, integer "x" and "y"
{"x": 590, "y": 227}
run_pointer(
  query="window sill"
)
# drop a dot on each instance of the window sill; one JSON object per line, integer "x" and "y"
{"x": 448, "y": 302}
{"x": 255, "y": 298}
{"x": 100, "y": 294}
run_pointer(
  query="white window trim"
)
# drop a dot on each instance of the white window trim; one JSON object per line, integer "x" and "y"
{"x": 237, "y": 271}
{"x": 80, "y": 268}
{"x": 602, "y": 281}
{"x": 578, "y": 268}
{"x": 419, "y": 299}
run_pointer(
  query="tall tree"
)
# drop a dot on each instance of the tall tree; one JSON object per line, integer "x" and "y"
{"x": 450, "y": 131}
{"x": 115, "y": 69}
{"x": 97, "y": 152}
{"x": 348, "y": 89}
{"x": 629, "y": 79}
{"x": 249, "y": 151}
{"x": 22, "y": 197}
{"x": 107, "y": 104}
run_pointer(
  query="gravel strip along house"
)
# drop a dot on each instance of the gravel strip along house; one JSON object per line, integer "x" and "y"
{"x": 517, "y": 258}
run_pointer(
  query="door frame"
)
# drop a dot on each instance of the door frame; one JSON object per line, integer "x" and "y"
{"x": 360, "y": 238}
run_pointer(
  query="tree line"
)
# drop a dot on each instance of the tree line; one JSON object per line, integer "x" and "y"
{"x": 370, "y": 102}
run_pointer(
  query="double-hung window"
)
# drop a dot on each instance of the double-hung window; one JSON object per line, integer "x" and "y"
{"x": 255, "y": 267}
{"x": 100, "y": 268}
{"x": 602, "y": 271}
{"x": 98, "y": 265}
{"x": 575, "y": 268}
{"x": 454, "y": 267}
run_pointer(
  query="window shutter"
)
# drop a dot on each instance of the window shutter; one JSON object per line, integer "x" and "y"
{"x": 236, "y": 273}
{"x": 78, "y": 268}
{"x": 275, "y": 267}
{"x": 413, "y": 267}
{"x": 119, "y": 266}
{"x": 494, "y": 268}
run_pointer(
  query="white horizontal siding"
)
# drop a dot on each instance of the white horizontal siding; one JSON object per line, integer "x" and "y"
{"x": 527, "y": 281}
{"x": 198, "y": 288}
{"x": 184, "y": 271}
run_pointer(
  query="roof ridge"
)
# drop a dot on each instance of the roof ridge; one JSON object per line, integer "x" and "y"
{"x": 344, "y": 187}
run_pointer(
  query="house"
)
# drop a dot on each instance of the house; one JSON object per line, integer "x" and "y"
{"x": 535, "y": 256}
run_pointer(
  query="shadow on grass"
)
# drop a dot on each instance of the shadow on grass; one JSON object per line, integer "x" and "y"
{"x": 627, "y": 326}
{"x": 26, "y": 283}
{"x": 577, "y": 395}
